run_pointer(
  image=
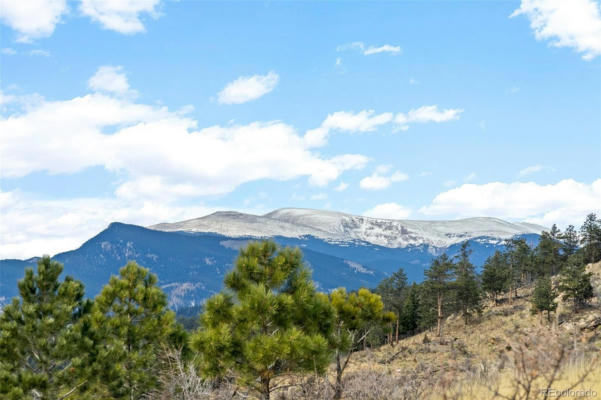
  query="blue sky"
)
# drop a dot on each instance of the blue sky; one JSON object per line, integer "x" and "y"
{"x": 154, "y": 111}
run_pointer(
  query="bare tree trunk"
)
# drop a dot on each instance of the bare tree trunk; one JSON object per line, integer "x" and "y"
{"x": 397, "y": 330}
{"x": 338, "y": 385}
{"x": 265, "y": 388}
{"x": 439, "y": 325}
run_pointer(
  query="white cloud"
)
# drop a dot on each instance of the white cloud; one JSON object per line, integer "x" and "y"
{"x": 382, "y": 49}
{"x": 530, "y": 170}
{"x": 8, "y": 51}
{"x": 380, "y": 179}
{"x": 388, "y": 211}
{"x": 426, "y": 114}
{"x": 368, "y": 121}
{"x": 363, "y": 121}
{"x": 39, "y": 53}
{"x": 31, "y": 225}
{"x": 369, "y": 50}
{"x": 32, "y": 19}
{"x": 413, "y": 81}
{"x": 158, "y": 152}
{"x": 342, "y": 186}
{"x": 123, "y": 16}
{"x": 110, "y": 79}
{"x": 248, "y": 88}
{"x": 566, "y": 23}
{"x": 566, "y": 202}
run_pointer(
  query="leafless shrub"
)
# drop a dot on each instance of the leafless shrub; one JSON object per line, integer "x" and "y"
{"x": 539, "y": 359}
{"x": 179, "y": 380}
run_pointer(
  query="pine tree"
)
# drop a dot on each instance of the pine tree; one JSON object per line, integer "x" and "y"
{"x": 132, "y": 325}
{"x": 496, "y": 275}
{"x": 393, "y": 291}
{"x": 466, "y": 284}
{"x": 269, "y": 321}
{"x": 437, "y": 282}
{"x": 575, "y": 282}
{"x": 356, "y": 315}
{"x": 39, "y": 344}
{"x": 543, "y": 298}
{"x": 570, "y": 241}
{"x": 590, "y": 233}
{"x": 410, "y": 316}
{"x": 547, "y": 257}
{"x": 519, "y": 264}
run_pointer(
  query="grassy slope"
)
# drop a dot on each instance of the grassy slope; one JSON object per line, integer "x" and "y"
{"x": 475, "y": 360}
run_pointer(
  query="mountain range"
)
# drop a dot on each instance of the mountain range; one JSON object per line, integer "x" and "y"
{"x": 191, "y": 257}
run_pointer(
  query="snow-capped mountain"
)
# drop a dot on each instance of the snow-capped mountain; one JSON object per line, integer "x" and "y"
{"x": 340, "y": 227}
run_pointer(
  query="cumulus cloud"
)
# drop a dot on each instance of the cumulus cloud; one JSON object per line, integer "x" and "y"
{"x": 566, "y": 202}
{"x": 110, "y": 79}
{"x": 426, "y": 114}
{"x": 158, "y": 151}
{"x": 123, "y": 16}
{"x": 368, "y": 121}
{"x": 573, "y": 23}
{"x": 388, "y": 211}
{"x": 382, "y": 178}
{"x": 248, "y": 88}
{"x": 32, "y": 19}
{"x": 369, "y": 50}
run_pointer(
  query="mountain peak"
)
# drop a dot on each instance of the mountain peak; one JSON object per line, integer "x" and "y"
{"x": 339, "y": 226}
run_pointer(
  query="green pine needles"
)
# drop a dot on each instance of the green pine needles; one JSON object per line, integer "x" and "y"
{"x": 269, "y": 321}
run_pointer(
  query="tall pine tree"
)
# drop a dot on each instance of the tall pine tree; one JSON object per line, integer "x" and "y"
{"x": 132, "y": 326}
{"x": 543, "y": 298}
{"x": 496, "y": 275}
{"x": 437, "y": 284}
{"x": 590, "y": 234}
{"x": 40, "y": 355}
{"x": 393, "y": 291}
{"x": 466, "y": 284}
{"x": 575, "y": 282}
{"x": 269, "y": 321}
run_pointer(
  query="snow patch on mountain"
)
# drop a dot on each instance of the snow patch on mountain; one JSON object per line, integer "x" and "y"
{"x": 340, "y": 227}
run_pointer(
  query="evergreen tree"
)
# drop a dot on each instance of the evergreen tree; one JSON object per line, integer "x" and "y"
{"x": 590, "y": 234}
{"x": 410, "y": 317}
{"x": 519, "y": 264}
{"x": 575, "y": 282}
{"x": 39, "y": 346}
{"x": 466, "y": 284}
{"x": 393, "y": 292}
{"x": 543, "y": 298}
{"x": 547, "y": 257}
{"x": 132, "y": 326}
{"x": 269, "y": 321}
{"x": 496, "y": 275}
{"x": 356, "y": 315}
{"x": 437, "y": 283}
{"x": 570, "y": 241}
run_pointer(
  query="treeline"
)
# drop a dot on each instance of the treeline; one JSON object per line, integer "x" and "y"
{"x": 267, "y": 324}
{"x": 452, "y": 285}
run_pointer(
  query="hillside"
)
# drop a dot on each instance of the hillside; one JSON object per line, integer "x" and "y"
{"x": 504, "y": 348}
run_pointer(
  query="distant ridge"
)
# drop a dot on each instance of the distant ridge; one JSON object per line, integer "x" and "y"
{"x": 342, "y": 227}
